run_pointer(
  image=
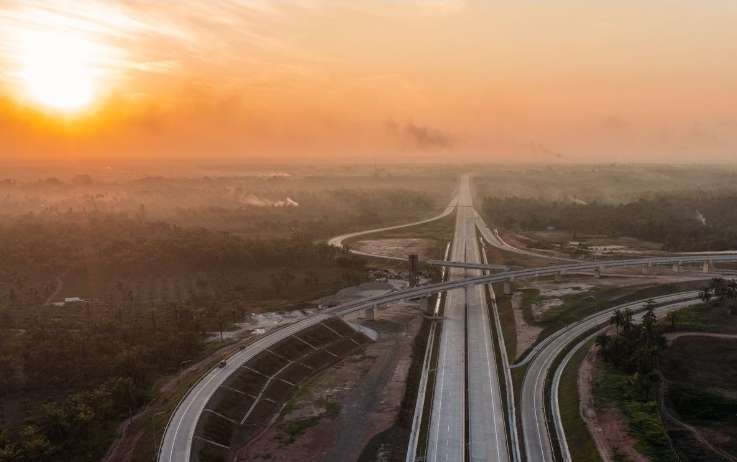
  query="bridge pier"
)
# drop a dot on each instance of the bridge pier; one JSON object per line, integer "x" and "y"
{"x": 644, "y": 269}
{"x": 707, "y": 266}
{"x": 509, "y": 287}
{"x": 676, "y": 267}
{"x": 370, "y": 313}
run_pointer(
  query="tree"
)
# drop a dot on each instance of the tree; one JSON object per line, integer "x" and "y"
{"x": 603, "y": 341}
{"x": 649, "y": 321}
{"x": 705, "y": 294}
{"x": 617, "y": 320}
{"x": 672, "y": 317}
{"x": 627, "y": 320}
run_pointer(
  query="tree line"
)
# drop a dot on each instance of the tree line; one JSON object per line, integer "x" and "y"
{"x": 681, "y": 222}
{"x": 635, "y": 348}
{"x": 79, "y": 370}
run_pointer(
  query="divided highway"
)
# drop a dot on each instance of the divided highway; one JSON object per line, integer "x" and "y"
{"x": 466, "y": 315}
{"x": 466, "y": 383}
{"x": 447, "y": 439}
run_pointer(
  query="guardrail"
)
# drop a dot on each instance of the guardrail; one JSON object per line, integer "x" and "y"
{"x": 587, "y": 336}
{"x": 196, "y": 382}
{"x": 423, "y": 291}
{"x": 414, "y": 435}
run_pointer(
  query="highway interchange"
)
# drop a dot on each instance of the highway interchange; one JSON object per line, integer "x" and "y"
{"x": 468, "y": 415}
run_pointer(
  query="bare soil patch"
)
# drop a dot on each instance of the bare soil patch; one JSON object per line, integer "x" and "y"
{"x": 526, "y": 333}
{"x": 335, "y": 415}
{"x": 607, "y": 424}
{"x": 398, "y": 247}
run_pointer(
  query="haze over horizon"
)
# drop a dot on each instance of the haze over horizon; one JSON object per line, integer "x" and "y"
{"x": 367, "y": 80}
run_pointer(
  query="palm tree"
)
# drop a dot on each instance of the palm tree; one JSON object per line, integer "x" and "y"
{"x": 672, "y": 317}
{"x": 627, "y": 319}
{"x": 705, "y": 294}
{"x": 617, "y": 319}
{"x": 731, "y": 289}
{"x": 649, "y": 321}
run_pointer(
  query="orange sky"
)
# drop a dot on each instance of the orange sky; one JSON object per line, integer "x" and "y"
{"x": 376, "y": 79}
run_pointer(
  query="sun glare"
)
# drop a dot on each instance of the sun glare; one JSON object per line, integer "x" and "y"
{"x": 58, "y": 70}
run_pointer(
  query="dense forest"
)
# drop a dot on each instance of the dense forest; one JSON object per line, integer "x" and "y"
{"x": 681, "y": 222}
{"x": 254, "y": 206}
{"x": 69, "y": 374}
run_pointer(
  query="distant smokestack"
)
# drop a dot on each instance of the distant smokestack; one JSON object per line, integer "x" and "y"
{"x": 413, "y": 264}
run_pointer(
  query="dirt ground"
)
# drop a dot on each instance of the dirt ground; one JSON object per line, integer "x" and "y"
{"x": 424, "y": 248}
{"x": 336, "y": 414}
{"x": 526, "y": 333}
{"x": 608, "y": 425}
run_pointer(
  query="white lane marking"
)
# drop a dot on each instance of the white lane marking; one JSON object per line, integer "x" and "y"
{"x": 535, "y": 409}
{"x": 491, "y": 385}
{"x": 442, "y": 385}
{"x": 181, "y": 419}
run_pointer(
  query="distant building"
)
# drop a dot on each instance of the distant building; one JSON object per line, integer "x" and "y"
{"x": 70, "y": 301}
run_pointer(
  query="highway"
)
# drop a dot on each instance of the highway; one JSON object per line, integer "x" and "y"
{"x": 555, "y": 407}
{"x": 486, "y": 430}
{"x": 414, "y": 436}
{"x": 447, "y": 440}
{"x": 487, "y": 439}
{"x": 537, "y": 441}
{"x": 176, "y": 444}
{"x": 339, "y": 241}
{"x": 466, "y": 376}
{"x": 494, "y": 239}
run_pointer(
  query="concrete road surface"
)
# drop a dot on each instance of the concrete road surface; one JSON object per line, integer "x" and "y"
{"x": 447, "y": 441}
{"x": 467, "y": 320}
{"x": 538, "y": 446}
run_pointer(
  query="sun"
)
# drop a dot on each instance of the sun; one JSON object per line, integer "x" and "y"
{"x": 59, "y": 70}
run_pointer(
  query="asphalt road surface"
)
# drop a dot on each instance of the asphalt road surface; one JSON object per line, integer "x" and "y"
{"x": 487, "y": 434}
{"x": 538, "y": 445}
{"x": 467, "y": 353}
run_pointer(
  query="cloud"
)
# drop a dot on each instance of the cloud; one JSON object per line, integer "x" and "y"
{"x": 421, "y": 136}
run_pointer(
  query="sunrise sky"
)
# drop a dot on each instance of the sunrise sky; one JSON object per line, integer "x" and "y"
{"x": 559, "y": 80}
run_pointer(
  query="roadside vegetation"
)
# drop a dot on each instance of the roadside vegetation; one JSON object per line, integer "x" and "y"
{"x": 688, "y": 221}
{"x": 630, "y": 379}
{"x": 580, "y": 442}
{"x": 678, "y": 399}
{"x": 579, "y": 305}
{"x": 271, "y": 203}
{"x": 700, "y": 373}
{"x": 69, "y": 374}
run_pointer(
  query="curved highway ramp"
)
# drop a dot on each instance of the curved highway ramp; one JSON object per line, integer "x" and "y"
{"x": 245, "y": 403}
